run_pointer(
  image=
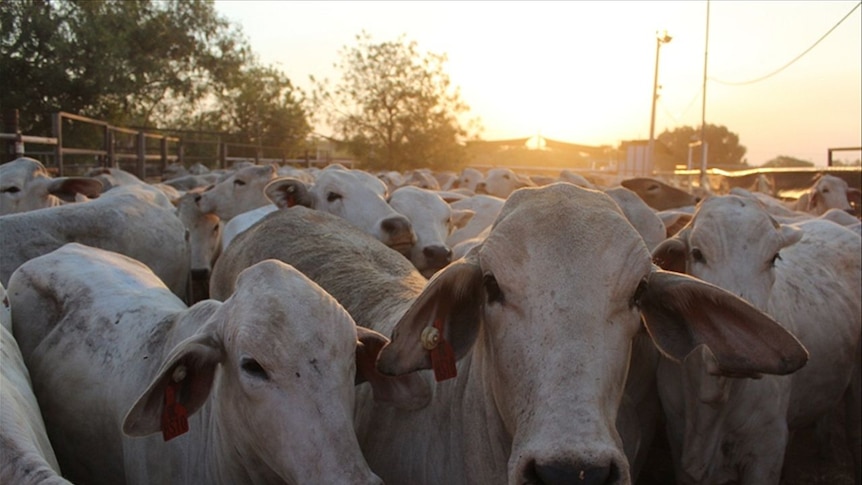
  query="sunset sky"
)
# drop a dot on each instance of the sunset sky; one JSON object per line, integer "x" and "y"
{"x": 582, "y": 71}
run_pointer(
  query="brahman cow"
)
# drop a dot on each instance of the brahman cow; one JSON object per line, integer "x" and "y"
{"x": 26, "y": 455}
{"x": 354, "y": 195}
{"x": 135, "y": 220}
{"x": 240, "y": 192}
{"x": 26, "y": 185}
{"x": 433, "y": 220}
{"x": 659, "y": 195}
{"x": 258, "y": 389}
{"x": 468, "y": 179}
{"x": 501, "y": 182}
{"x": 204, "y": 236}
{"x": 534, "y": 327}
{"x": 807, "y": 276}
{"x": 829, "y": 192}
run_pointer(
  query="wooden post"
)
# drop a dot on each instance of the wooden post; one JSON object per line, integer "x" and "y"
{"x": 57, "y": 123}
{"x": 14, "y": 148}
{"x": 141, "y": 167}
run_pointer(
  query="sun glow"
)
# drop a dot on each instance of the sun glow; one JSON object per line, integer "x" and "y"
{"x": 582, "y": 72}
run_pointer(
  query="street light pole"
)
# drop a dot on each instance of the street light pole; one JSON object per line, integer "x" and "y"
{"x": 651, "y": 148}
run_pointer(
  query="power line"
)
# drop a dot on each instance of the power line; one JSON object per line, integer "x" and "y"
{"x": 806, "y": 51}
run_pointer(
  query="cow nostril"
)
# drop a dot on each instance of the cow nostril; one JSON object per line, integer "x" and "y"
{"x": 439, "y": 254}
{"x": 567, "y": 473}
{"x": 395, "y": 225}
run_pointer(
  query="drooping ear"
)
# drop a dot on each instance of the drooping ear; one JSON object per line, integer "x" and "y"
{"x": 813, "y": 200}
{"x": 460, "y": 217}
{"x": 681, "y": 312}
{"x": 189, "y": 370}
{"x": 287, "y": 192}
{"x": 670, "y": 254}
{"x": 409, "y": 391}
{"x": 66, "y": 188}
{"x": 446, "y": 313}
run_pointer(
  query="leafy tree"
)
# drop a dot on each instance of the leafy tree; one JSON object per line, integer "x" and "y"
{"x": 723, "y": 148}
{"x": 784, "y": 161}
{"x": 261, "y": 103}
{"x": 172, "y": 63}
{"x": 395, "y": 108}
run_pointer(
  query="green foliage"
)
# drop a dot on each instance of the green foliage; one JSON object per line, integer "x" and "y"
{"x": 723, "y": 148}
{"x": 172, "y": 63}
{"x": 395, "y": 108}
{"x": 784, "y": 161}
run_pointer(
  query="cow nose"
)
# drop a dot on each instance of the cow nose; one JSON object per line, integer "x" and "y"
{"x": 568, "y": 473}
{"x": 437, "y": 256}
{"x": 396, "y": 225}
{"x": 481, "y": 188}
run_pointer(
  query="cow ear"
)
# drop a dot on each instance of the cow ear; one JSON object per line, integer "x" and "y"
{"x": 670, "y": 254}
{"x": 681, "y": 313}
{"x": 813, "y": 200}
{"x": 189, "y": 372}
{"x": 674, "y": 221}
{"x": 287, "y": 192}
{"x": 449, "y": 308}
{"x": 66, "y": 188}
{"x": 460, "y": 217}
{"x": 409, "y": 391}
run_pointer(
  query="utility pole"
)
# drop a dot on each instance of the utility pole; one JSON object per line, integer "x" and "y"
{"x": 659, "y": 40}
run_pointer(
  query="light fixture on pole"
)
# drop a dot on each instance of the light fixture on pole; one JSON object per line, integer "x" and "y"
{"x": 659, "y": 40}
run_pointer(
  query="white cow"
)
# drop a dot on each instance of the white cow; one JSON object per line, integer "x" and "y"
{"x": 26, "y": 455}
{"x": 204, "y": 236}
{"x": 808, "y": 277}
{"x": 537, "y": 323}
{"x": 502, "y": 181}
{"x": 240, "y": 192}
{"x": 354, "y": 195}
{"x": 659, "y": 195}
{"x": 26, "y": 185}
{"x": 258, "y": 389}
{"x": 433, "y": 220}
{"x": 468, "y": 179}
{"x": 135, "y": 220}
{"x": 829, "y": 192}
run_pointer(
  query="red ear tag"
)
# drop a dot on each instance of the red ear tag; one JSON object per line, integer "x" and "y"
{"x": 174, "y": 416}
{"x": 442, "y": 357}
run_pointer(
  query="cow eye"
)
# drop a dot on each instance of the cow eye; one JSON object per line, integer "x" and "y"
{"x": 332, "y": 196}
{"x": 492, "y": 289}
{"x": 697, "y": 256}
{"x": 10, "y": 190}
{"x": 239, "y": 182}
{"x": 254, "y": 369}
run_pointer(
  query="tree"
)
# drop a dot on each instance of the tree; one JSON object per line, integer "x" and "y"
{"x": 784, "y": 161}
{"x": 172, "y": 63}
{"x": 723, "y": 148}
{"x": 395, "y": 108}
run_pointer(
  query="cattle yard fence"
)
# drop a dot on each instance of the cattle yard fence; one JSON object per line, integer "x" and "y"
{"x": 141, "y": 151}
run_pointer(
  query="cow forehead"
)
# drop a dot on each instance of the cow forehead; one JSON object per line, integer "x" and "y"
{"x": 275, "y": 305}
{"x": 22, "y": 170}
{"x": 733, "y": 216}
{"x": 567, "y": 238}
{"x": 351, "y": 181}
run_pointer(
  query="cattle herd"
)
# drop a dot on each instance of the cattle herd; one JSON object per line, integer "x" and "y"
{"x": 273, "y": 324}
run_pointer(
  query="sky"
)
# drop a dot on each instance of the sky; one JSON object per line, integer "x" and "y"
{"x": 583, "y": 71}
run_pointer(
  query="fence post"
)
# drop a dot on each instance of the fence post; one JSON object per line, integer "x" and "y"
{"x": 141, "y": 166}
{"x": 111, "y": 156}
{"x": 222, "y": 154}
{"x": 181, "y": 148}
{"x": 57, "y": 127}
{"x": 14, "y": 148}
{"x": 164, "y": 153}
{"x": 107, "y": 160}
